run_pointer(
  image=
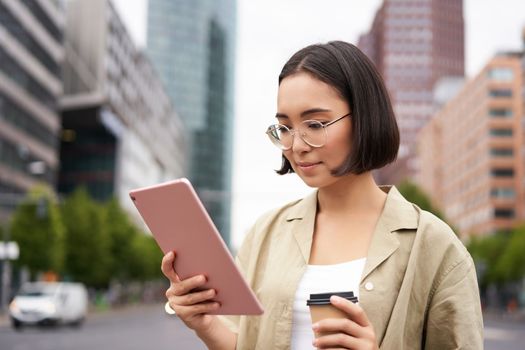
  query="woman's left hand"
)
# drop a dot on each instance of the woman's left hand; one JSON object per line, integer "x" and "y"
{"x": 355, "y": 332}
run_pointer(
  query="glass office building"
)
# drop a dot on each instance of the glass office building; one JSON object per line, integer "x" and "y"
{"x": 31, "y": 54}
{"x": 120, "y": 128}
{"x": 192, "y": 45}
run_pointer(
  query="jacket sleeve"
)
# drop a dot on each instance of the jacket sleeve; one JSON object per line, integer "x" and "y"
{"x": 454, "y": 319}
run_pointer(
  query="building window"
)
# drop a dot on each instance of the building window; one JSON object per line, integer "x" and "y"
{"x": 501, "y": 132}
{"x": 500, "y": 93}
{"x": 23, "y": 37}
{"x": 500, "y": 113}
{"x": 504, "y": 213}
{"x": 18, "y": 117}
{"x": 501, "y": 74}
{"x": 19, "y": 158}
{"x": 502, "y": 152}
{"x": 26, "y": 81}
{"x": 502, "y": 172}
{"x": 46, "y": 22}
{"x": 506, "y": 193}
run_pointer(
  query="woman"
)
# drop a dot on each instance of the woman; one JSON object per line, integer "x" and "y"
{"x": 415, "y": 281}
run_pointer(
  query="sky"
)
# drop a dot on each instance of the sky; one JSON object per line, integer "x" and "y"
{"x": 268, "y": 33}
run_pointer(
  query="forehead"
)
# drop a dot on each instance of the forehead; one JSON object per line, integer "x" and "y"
{"x": 302, "y": 91}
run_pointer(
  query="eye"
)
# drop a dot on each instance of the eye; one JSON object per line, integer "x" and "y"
{"x": 314, "y": 124}
{"x": 282, "y": 129}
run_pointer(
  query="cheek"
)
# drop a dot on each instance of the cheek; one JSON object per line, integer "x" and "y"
{"x": 339, "y": 146}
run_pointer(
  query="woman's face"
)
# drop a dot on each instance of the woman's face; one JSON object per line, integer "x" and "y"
{"x": 303, "y": 97}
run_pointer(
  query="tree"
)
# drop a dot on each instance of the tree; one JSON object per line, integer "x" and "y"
{"x": 504, "y": 254}
{"x": 154, "y": 258}
{"x": 121, "y": 233}
{"x": 510, "y": 266}
{"x": 487, "y": 251}
{"x": 87, "y": 246}
{"x": 38, "y": 229}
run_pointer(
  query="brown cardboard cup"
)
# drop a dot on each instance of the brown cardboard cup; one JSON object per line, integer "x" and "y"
{"x": 321, "y": 308}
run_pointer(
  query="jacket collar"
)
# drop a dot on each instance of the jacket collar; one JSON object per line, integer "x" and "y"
{"x": 398, "y": 214}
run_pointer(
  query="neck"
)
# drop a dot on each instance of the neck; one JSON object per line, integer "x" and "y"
{"x": 352, "y": 193}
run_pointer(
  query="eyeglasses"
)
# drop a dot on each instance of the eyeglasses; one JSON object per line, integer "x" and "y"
{"x": 312, "y": 132}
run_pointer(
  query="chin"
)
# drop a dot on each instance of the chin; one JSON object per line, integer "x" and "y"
{"x": 316, "y": 181}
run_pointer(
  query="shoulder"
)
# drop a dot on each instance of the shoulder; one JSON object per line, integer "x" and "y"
{"x": 273, "y": 218}
{"x": 273, "y": 221}
{"x": 436, "y": 234}
{"x": 444, "y": 253}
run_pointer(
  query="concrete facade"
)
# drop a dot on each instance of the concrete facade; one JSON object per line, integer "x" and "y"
{"x": 472, "y": 151}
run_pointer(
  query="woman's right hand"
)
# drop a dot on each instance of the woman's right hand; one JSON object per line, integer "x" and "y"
{"x": 191, "y": 307}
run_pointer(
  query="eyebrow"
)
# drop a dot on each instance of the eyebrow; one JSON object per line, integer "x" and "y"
{"x": 304, "y": 113}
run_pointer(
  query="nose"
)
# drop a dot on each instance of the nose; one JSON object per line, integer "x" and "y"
{"x": 298, "y": 144}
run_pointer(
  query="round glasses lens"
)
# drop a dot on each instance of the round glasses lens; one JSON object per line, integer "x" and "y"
{"x": 280, "y": 135}
{"x": 313, "y": 132}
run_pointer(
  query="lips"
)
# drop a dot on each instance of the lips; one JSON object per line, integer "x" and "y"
{"x": 307, "y": 165}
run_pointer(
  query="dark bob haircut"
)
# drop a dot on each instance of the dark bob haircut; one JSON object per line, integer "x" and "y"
{"x": 375, "y": 135}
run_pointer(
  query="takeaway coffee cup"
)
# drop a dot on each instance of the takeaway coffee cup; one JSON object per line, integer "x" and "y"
{"x": 321, "y": 308}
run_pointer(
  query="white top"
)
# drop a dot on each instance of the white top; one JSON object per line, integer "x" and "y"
{"x": 342, "y": 277}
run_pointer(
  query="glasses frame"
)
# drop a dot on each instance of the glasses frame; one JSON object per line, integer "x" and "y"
{"x": 278, "y": 143}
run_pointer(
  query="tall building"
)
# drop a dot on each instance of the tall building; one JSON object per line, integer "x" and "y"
{"x": 414, "y": 43}
{"x": 192, "y": 44}
{"x": 120, "y": 130}
{"x": 471, "y": 151}
{"x": 31, "y": 54}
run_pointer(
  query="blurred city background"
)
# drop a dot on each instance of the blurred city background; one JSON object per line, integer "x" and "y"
{"x": 98, "y": 97}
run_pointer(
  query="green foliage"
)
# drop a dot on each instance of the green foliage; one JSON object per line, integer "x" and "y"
{"x": 87, "y": 248}
{"x": 511, "y": 265}
{"x": 501, "y": 256}
{"x": 84, "y": 240}
{"x": 147, "y": 256}
{"x": 134, "y": 254}
{"x": 37, "y": 228}
{"x": 486, "y": 251}
{"x": 416, "y": 195}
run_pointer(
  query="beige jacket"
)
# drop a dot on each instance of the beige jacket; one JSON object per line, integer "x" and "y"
{"x": 418, "y": 287}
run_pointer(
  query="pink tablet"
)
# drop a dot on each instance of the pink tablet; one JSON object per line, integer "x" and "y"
{"x": 178, "y": 221}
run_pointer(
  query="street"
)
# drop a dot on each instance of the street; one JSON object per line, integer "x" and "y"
{"x": 141, "y": 327}
{"x": 504, "y": 334}
{"x": 147, "y": 326}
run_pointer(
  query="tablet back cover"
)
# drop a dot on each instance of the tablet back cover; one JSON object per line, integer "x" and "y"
{"x": 179, "y": 222}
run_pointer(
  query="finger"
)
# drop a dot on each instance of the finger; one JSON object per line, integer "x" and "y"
{"x": 195, "y": 298}
{"x": 186, "y": 286}
{"x": 197, "y": 309}
{"x": 339, "y": 325}
{"x": 354, "y": 311}
{"x": 167, "y": 267}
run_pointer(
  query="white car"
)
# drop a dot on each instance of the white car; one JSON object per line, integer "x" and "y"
{"x": 49, "y": 303}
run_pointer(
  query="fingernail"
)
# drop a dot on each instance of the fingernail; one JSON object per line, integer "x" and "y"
{"x": 170, "y": 255}
{"x": 315, "y": 326}
{"x": 314, "y": 343}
